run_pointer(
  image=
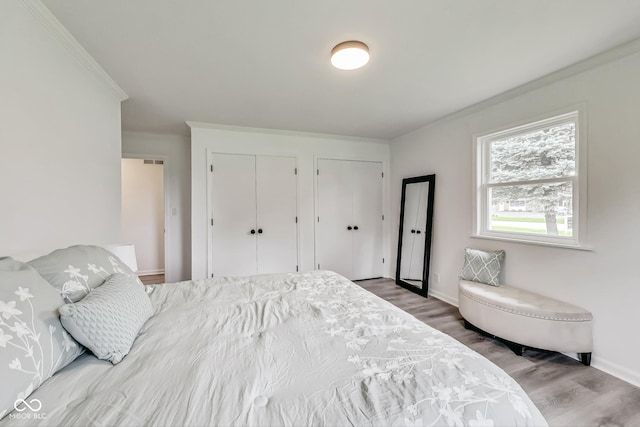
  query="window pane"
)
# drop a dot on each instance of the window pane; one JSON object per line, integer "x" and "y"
{"x": 537, "y": 208}
{"x": 540, "y": 154}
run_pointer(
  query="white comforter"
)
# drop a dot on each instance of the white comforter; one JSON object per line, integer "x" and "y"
{"x": 289, "y": 349}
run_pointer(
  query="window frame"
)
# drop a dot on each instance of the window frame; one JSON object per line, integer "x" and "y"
{"x": 482, "y": 166}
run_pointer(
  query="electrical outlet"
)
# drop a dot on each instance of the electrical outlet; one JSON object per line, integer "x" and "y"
{"x": 436, "y": 277}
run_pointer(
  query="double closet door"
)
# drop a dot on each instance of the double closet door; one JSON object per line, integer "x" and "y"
{"x": 253, "y": 209}
{"x": 349, "y": 221}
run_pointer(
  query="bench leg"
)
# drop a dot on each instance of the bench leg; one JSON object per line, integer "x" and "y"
{"x": 516, "y": 348}
{"x": 585, "y": 358}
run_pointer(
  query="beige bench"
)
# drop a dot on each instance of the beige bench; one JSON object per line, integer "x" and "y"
{"x": 526, "y": 319}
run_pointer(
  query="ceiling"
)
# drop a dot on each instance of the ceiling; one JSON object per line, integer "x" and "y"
{"x": 266, "y": 63}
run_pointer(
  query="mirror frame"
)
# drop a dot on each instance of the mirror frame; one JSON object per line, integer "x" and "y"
{"x": 431, "y": 179}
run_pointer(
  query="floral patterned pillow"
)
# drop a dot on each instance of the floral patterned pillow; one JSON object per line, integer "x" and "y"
{"x": 76, "y": 270}
{"x": 33, "y": 343}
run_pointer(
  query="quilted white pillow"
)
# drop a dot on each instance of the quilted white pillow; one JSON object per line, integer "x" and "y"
{"x": 108, "y": 319}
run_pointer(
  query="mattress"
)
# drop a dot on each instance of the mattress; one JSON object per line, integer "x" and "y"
{"x": 287, "y": 349}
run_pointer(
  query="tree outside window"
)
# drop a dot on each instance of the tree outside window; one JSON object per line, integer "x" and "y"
{"x": 529, "y": 180}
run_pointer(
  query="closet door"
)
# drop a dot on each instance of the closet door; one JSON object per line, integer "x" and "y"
{"x": 233, "y": 204}
{"x": 367, "y": 220}
{"x": 276, "y": 185}
{"x": 334, "y": 246}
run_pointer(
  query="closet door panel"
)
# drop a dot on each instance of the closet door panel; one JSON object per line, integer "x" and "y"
{"x": 276, "y": 186}
{"x": 333, "y": 239}
{"x": 233, "y": 204}
{"x": 367, "y": 216}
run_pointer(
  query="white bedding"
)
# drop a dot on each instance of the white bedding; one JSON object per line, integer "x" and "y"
{"x": 290, "y": 349}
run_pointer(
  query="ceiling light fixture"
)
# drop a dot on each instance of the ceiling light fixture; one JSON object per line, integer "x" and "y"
{"x": 350, "y": 55}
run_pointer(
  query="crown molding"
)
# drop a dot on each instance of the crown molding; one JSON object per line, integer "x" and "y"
{"x": 245, "y": 129}
{"x": 618, "y": 52}
{"x": 60, "y": 33}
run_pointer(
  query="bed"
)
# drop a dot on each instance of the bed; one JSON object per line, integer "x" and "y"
{"x": 287, "y": 349}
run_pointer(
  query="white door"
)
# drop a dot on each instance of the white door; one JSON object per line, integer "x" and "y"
{"x": 367, "y": 220}
{"x": 349, "y": 223}
{"x": 335, "y": 214}
{"x": 234, "y": 215}
{"x": 276, "y": 185}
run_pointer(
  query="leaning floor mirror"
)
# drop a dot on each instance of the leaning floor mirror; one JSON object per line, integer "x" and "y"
{"x": 414, "y": 236}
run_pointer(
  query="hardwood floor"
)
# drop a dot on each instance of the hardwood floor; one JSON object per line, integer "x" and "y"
{"x": 566, "y": 392}
{"x": 152, "y": 279}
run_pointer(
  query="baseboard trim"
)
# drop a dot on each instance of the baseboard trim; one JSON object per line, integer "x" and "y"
{"x": 150, "y": 272}
{"x": 443, "y": 297}
{"x": 617, "y": 371}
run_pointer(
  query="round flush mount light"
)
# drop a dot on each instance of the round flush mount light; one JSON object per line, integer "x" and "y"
{"x": 350, "y": 55}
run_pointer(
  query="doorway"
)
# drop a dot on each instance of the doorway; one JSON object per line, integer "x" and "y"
{"x": 143, "y": 214}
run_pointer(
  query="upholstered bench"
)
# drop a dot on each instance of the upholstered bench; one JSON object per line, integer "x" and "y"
{"x": 524, "y": 319}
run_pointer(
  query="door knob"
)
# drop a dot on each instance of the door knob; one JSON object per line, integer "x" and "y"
{"x": 413, "y": 231}
{"x": 349, "y": 228}
{"x": 418, "y": 231}
{"x": 252, "y": 231}
{"x": 355, "y": 227}
{"x": 259, "y": 230}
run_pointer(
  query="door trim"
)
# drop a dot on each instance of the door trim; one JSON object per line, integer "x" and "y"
{"x": 168, "y": 271}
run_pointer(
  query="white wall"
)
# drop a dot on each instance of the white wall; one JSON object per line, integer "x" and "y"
{"x": 305, "y": 147}
{"x": 603, "y": 280}
{"x": 59, "y": 139}
{"x": 177, "y": 169}
{"x": 143, "y": 213}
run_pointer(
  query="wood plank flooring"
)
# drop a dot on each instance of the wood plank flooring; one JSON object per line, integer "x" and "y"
{"x": 566, "y": 392}
{"x": 152, "y": 279}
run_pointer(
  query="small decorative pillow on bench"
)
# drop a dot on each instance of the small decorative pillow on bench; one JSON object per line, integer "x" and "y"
{"x": 481, "y": 266}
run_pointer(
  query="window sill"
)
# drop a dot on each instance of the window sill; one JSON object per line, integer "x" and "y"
{"x": 533, "y": 242}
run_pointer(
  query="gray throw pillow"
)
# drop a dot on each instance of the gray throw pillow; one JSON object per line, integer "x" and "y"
{"x": 33, "y": 343}
{"x": 76, "y": 270}
{"x": 481, "y": 266}
{"x": 107, "y": 321}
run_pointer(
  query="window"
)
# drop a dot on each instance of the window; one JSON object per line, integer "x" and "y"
{"x": 529, "y": 182}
